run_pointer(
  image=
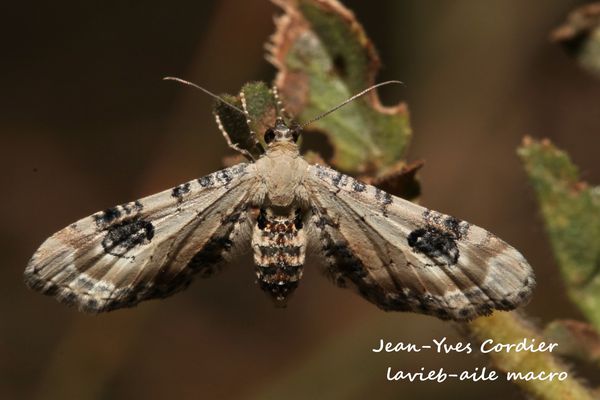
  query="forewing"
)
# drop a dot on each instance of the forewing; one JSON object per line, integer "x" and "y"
{"x": 146, "y": 249}
{"x": 404, "y": 257}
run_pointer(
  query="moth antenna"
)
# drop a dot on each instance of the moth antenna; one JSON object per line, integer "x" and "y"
{"x": 343, "y": 103}
{"x": 208, "y": 92}
{"x": 279, "y": 104}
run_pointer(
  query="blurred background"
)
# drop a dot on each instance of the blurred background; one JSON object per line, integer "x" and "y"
{"x": 87, "y": 123}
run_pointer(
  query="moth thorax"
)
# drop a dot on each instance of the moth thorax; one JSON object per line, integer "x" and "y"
{"x": 279, "y": 245}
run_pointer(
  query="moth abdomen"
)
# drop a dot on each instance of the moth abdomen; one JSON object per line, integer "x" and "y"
{"x": 279, "y": 245}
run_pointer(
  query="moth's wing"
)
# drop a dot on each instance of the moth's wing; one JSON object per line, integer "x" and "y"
{"x": 404, "y": 257}
{"x": 146, "y": 249}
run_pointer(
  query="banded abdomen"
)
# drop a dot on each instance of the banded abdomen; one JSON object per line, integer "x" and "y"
{"x": 279, "y": 245}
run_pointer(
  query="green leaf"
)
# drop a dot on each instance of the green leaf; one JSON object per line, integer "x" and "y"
{"x": 571, "y": 211}
{"x": 324, "y": 56}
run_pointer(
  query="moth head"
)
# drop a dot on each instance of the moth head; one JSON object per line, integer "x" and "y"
{"x": 282, "y": 132}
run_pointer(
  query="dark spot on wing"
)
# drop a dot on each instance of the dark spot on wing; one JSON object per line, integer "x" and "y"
{"x": 345, "y": 260}
{"x": 164, "y": 285}
{"x": 180, "y": 190}
{"x": 206, "y": 261}
{"x": 396, "y": 301}
{"x": 337, "y": 179}
{"x": 451, "y": 224}
{"x": 210, "y": 255}
{"x": 387, "y": 199}
{"x": 107, "y": 216}
{"x": 84, "y": 282}
{"x": 129, "y": 208}
{"x": 457, "y": 227}
{"x": 239, "y": 169}
{"x": 339, "y": 254}
{"x": 321, "y": 171}
{"x": 358, "y": 186}
{"x": 506, "y": 304}
{"x": 90, "y": 304}
{"x": 425, "y": 303}
{"x": 384, "y": 199}
{"x": 69, "y": 298}
{"x": 224, "y": 176}
{"x": 206, "y": 181}
{"x": 464, "y": 312}
{"x": 439, "y": 246}
{"x": 127, "y": 234}
{"x": 454, "y": 226}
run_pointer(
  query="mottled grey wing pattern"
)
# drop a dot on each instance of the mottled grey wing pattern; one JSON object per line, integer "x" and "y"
{"x": 146, "y": 249}
{"x": 404, "y": 257}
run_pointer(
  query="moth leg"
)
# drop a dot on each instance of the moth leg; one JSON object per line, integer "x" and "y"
{"x": 249, "y": 123}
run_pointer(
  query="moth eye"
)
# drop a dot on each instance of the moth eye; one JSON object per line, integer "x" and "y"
{"x": 269, "y": 135}
{"x": 295, "y": 135}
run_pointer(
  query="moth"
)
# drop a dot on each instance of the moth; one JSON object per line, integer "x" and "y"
{"x": 394, "y": 253}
